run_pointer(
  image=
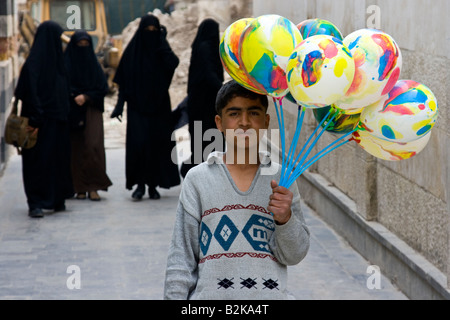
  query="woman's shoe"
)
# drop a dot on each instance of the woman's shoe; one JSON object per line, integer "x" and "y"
{"x": 36, "y": 213}
{"x": 153, "y": 194}
{"x": 81, "y": 196}
{"x": 138, "y": 193}
{"x": 93, "y": 196}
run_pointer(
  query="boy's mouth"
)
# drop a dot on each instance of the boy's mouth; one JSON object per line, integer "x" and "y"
{"x": 244, "y": 133}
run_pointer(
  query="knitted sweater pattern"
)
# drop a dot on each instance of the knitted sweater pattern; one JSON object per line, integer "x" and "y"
{"x": 226, "y": 245}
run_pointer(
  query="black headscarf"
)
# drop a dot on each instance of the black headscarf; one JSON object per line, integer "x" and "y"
{"x": 85, "y": 74}
{"x": 205, "y": 57}
{"x": 42, "y": 84}
{"x": 146, "y": 67}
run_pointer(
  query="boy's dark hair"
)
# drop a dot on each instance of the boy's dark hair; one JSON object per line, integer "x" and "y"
{"x": 232, "y": 89}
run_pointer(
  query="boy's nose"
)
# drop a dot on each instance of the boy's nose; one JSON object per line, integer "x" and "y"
{"x": 245, "y": 120}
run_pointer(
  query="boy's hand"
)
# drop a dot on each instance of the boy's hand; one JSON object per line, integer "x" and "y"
{"x": 280, "y": 203}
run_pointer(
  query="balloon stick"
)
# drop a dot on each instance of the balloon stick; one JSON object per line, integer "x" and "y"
{"x": 293, "y": 147}
{"x": 293, "y": 163}
{"x": 292, "y": 168}
{"x": 302, "y": 168}
{"x": 280, "y": 117}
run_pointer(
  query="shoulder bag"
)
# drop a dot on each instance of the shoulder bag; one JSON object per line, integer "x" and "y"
{"x": 16, "y": 132}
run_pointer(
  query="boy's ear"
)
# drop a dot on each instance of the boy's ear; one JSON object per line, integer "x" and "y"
{"x": 218, "y": 121}
{"x": 267, "y": 120}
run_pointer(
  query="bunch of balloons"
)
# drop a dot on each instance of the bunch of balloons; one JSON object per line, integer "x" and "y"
{"x": 351, "y": 84}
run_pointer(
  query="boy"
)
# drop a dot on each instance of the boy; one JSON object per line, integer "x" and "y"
{"x": 227, "y": 243}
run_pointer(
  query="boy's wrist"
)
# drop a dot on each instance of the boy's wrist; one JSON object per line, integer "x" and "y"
{"x": 283, "y": 220}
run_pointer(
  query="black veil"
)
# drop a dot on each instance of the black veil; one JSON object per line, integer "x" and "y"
{"x": 42, "y": 84}
{"x": 85, "y": 74}
{"x": 144, "y": 75}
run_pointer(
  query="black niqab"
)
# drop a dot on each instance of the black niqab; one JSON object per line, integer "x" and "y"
{"x": 85, "y": 74}
{"x": 44, "y": 92}
{"x": 205, "y": 76}
{"x": 205, "y": 56}
{"x": 42, "y": 84}
{"x": 144, "y": 74}
{"x": 204, "y": 81}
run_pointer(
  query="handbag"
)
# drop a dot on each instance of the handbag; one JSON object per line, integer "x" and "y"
{"x": 16, "y": 132}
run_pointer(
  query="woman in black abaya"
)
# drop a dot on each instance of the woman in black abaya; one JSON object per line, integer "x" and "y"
{"x": 204, "y": 81}
{"x": 88, "y": 88}
{"x": 144, "y": 76}
{"x": 43, "y": 90}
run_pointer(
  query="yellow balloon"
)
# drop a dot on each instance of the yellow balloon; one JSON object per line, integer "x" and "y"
{"x": 390, "y": 150}
{"x": 264, "y": 50}
{"x": 229, "y": 53}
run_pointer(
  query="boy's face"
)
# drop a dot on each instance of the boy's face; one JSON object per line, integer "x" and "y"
{"x": 242, "y": 121}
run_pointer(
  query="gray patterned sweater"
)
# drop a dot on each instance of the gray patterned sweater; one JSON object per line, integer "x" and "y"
{"x": 226, "y": 244}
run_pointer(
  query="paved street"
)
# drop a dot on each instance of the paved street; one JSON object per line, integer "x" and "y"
{"x": 118, "y": 247}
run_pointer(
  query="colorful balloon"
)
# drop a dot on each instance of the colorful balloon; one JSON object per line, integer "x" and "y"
{"x": 229, "y": 53}
{"x": 313, "y": 27}
{"x": 264, "y": 49}
{"x": 320, "y": 71}
{"x": 406, "y": 113}
{"x": 390, "y": 150}
{"x": 341, "y": 123}
{"x": 378, "y": 63}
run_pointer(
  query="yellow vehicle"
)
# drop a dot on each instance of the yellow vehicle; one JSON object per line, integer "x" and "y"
{"x": 73, "y": 15}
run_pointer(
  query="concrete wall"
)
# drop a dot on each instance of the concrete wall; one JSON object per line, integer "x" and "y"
{"x": 409, "y": 198}
{"x": 8, "y": 67}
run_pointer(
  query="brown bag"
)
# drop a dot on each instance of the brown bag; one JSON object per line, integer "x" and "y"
{"x": 16, "y": 133}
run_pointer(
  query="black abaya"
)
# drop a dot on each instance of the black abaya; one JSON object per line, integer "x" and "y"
{"x": 88, "y": 149}
{"x": 43, "y": 89}
{"x": 204, "y": 81}
{"x": 144, "y": 76}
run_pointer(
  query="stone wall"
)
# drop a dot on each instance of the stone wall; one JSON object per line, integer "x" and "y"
{"x": 8, "y": 67}
{"x": 410, "y": 198}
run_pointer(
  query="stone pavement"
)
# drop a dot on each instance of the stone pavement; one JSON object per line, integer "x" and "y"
{"x": 119, "y": 248}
